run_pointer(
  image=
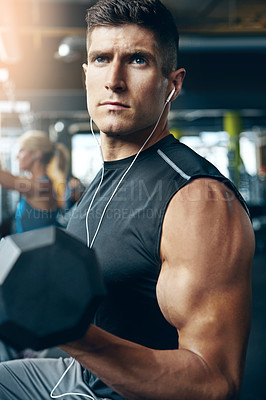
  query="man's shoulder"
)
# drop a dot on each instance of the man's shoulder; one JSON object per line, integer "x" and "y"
{"x": 185, "y": 157}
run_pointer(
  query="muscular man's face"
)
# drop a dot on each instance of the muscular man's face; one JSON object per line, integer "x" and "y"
{"x": 126, "y": 90}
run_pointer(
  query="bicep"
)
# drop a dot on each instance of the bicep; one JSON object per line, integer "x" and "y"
{"x": 204, "y": 288}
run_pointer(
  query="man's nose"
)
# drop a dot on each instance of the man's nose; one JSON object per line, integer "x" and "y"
{"x": 115, "y": 77}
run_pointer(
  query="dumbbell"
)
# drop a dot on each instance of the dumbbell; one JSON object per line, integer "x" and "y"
{"x": 50, "y": 288}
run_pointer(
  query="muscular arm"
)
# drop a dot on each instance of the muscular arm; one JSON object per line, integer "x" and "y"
{"x": 204, "y": 290}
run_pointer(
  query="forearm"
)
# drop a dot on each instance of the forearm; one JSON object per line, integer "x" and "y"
{"x": 7, "y": 180}
{"x": 4, "y": 178}
{"x": 12, "y": 182}
{"x": 140, "y": 373}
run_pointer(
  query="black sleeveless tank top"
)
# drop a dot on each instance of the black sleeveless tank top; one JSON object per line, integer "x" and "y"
{"x": 128, "y": 242}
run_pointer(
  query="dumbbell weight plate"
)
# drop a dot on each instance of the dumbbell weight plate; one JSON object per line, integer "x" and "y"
{"x": 50, "y": 288}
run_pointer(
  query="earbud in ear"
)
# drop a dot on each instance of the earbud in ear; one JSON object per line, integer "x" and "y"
{"x": 170, "y": 96}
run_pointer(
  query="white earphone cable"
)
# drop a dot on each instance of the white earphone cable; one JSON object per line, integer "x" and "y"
{"x": 120, "y": 181}
{"x": 70, "y": 393}
{"x": 98, "y": 227}
{"x": 96, "y": 191}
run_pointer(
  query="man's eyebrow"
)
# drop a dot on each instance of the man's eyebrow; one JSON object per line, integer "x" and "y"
{"x": 96, "y": 53}
{"x": 127, "y": 53}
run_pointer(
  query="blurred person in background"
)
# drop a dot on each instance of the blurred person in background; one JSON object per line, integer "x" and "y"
{"x": 38, "y": 203}
{"x": 74, "y": 191}
{"x": 57, "y": 170}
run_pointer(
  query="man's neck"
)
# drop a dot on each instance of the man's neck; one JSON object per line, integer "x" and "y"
{"x": 118, "y": 147}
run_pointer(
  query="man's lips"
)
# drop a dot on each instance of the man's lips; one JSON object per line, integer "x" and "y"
{"x": 114, "y": 105}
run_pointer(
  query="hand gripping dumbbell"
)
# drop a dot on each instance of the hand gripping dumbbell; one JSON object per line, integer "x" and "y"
{"x": 50, "y": 288}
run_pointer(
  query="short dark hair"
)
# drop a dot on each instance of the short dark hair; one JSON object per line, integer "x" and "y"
{"x": 150, "y": 14}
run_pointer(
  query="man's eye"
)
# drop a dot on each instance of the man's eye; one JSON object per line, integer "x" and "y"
{"x": 99, "y": 59}
{"x": 138, "y": 60}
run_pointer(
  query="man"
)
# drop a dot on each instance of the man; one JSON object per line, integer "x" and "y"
{"x": 172, "y": 236}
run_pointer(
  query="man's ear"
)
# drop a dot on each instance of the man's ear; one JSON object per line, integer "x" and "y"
{"x": 85, "y": 68}
{"x": 177, "y": 77}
